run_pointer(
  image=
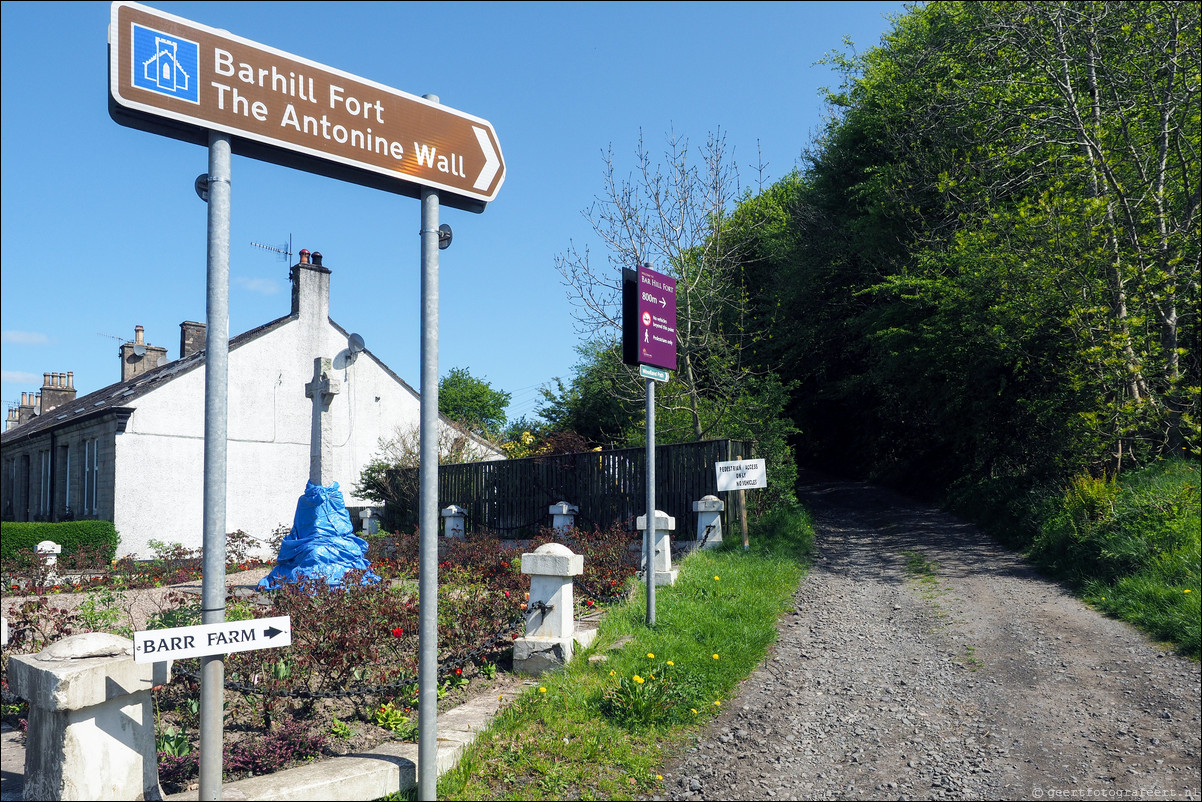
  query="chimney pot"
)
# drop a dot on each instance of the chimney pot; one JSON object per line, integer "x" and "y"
{"x": 139, "y": 335}
{"x": 304, "y": 256}
{"x": 317, "y": 258}
{"x": 70, "y": 380}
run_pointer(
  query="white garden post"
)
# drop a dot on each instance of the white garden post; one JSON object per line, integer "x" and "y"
{"x": 48, "y": 550}
{"x": 709, "y": 521}
{"x": 91, "y": 719}
{"x": 454, "y": 516}
{"x": 550, "y": 626}
{"x": 664, "y": 525}
{"x": 563, "y": 516}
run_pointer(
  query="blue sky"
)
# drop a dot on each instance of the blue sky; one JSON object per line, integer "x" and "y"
{"x": 102, "y": 231}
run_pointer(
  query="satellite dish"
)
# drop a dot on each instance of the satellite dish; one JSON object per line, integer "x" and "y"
{"x": 139, "y": 350}
{"x": 354, "y": 344}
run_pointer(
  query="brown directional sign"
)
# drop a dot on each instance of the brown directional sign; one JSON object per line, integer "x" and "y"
{"x": 182, "y": 79}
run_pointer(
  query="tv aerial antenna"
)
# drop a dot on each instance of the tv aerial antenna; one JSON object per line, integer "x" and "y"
{"x": 284, "y": 249}
{"x": 139, "y": 350}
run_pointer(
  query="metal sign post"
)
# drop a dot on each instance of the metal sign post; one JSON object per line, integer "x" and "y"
{"x": 650, "y": 530}
{"x": 427, "y": 588}
{"x": 217, "y": 346}
{"x": 649, "y": 341}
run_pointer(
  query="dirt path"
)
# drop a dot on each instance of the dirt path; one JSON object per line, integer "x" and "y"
{"x": 977, "y": 679}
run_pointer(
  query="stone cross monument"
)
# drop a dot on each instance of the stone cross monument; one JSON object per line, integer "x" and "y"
{"x": 322, "y": 389}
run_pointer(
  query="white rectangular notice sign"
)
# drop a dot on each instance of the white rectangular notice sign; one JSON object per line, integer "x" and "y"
{"x": 202, "y": 640}
{"x": 744, "y": 474}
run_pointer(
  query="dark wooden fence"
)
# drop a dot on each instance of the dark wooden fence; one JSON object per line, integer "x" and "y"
{"x": 511, "y": 497}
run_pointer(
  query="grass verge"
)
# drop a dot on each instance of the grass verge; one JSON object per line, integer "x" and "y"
{"x": 1129, "y": 546}
{"x": 602, "y": 729}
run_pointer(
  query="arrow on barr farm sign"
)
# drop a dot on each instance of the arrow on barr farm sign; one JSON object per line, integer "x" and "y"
{"x": 744, "y": 474}
{"x": 202, "y": 640}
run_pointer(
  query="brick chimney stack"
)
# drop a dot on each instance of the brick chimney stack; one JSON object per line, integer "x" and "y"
{"x": 310, "y": 288}
{"x": 191, "y": 338}
{"x": 138, "y": 357}
{"x": 29, "y": 407}
{"x": 58, "y": 389}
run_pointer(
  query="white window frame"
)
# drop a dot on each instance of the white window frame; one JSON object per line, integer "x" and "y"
{"x": 45, "y": 485}
{"x": 91, "y": 468}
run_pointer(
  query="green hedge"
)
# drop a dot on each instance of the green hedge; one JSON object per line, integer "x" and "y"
{"x": 23, "y": 536}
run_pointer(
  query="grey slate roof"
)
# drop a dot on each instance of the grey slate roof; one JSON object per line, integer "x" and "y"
{"x": 115, "y": 398}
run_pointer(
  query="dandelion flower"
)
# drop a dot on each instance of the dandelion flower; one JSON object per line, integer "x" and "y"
{"x": 715, "y": 657}
{"x": 694, "y": 710}
{"x": 542, "y": 690}
{"x": 613, "y": 673}
{"x": 717, "y": 703}
{"x": 671, "y": 663}
{"x": 638, "y": 680}
{"x": 651, "y": 655}
{"x": 659, "y": 776}
{"x": 1186, "y": 590}
{"x": 717, "y": 579}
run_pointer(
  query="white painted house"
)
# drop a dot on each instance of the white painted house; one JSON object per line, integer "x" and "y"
{"x": 133, "y": 452}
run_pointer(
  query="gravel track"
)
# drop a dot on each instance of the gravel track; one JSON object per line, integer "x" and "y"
{"x": 978, "y": 680}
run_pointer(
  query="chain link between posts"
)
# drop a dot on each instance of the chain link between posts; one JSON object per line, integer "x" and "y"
{"x": 446, "y": 668}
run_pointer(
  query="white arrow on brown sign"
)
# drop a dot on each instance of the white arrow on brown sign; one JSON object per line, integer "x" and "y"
{"x": 182, "y": 79}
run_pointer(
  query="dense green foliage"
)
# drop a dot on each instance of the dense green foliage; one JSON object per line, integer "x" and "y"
{"x": 21, "y": 537}
{"x": 472, "y": 402}
{"x": 989, "y": 267}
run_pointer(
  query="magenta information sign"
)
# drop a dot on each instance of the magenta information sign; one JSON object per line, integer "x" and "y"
{"x": 657, "y": 319}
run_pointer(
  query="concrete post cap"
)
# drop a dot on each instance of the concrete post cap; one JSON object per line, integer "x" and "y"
{"x": 88, "y": 644}
{"x": 365, "y": 514}
{"x": 553, "y": 559}
{"x": 563, "y": 508}
{"x": 453, "y": 510}
{"x": 81, "y": 671}
{"x": 709, "y": 504}
{"x": 48, "y": 547}
{"x": 662, "y": 521}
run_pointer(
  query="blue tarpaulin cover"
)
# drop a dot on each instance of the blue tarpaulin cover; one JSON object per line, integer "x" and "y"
{"x": 321, "y": 543}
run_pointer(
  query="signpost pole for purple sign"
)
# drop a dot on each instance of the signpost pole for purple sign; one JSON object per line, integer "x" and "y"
{"x": 649, "y": 542}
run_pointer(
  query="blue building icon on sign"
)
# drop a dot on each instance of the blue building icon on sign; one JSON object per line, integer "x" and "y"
{"x": 166, "y": 64}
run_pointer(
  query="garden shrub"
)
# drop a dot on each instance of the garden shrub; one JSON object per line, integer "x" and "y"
{"x": 18, "y": 537}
